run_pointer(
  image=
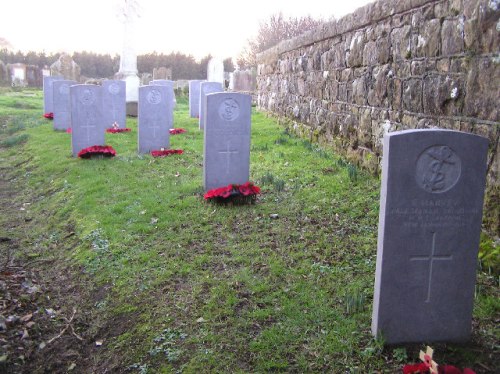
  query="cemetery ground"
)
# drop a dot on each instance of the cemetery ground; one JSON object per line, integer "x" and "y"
{"x": 119, "y": 265}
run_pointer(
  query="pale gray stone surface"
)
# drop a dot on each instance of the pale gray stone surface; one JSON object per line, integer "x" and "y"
{"x": 48, "y": 96}
{"x": 194, "y": 98}
{"x": 62, "y": 104}
{"x": 86, "y": 117}
{"x": 205, "y": 89}
{"x": 170, "y": 85}
{"x": 114, "y": 103}
{"x": 430, "y": 220}
{"x": 226, "y": 154}
{"x": 215, "y": 70}
{"x": 154, "y": 121}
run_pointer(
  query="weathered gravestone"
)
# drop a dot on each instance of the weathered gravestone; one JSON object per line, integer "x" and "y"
{"x": 215, "y": 70}
{"x": 114, "y": 108}
{"x": 62, "y": 104}
{"x": 48, "y": 96}
{"x": 226, "y": 154}
{"x": 243, "y": 80}
{"x": 194, "y": 98}
{"x": 86, "y": 117}
{"x": 155, "y": 108}
{"x": 430, "y": 219}
{"x": 205, "y": 89}
{"x": 162, "y": 73}
{"x": 66, "y": 67}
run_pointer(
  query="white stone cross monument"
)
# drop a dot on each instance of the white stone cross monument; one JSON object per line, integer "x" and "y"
{"x": 129, "y": 13}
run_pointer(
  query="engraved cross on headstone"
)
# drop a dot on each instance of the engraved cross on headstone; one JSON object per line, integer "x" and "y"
{"x": 431, "y": 258}
{"x": 227, "y": 152}
{"x": 154, "y": 126}
{"x": 89, "y": 119}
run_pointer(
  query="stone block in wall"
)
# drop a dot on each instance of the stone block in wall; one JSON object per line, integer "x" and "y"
{"x": 356, "y": 48}
{"x": 397, "y": 97}
{"x": 376, "y": 52}
{"x": 490, "y": 26}
{"x": 428, "y": 41}
{"x": 452, "y": 41}
{"x": 483, "y": 90}
{"x": 412, "y": 95}
{"x": 402, "y": 68}
{"x": 381, "y": 86}
{"x": 400, "y": 40}
{"x": 480, "y": 28}
{"x": 331, "y": 90}
{"x": 443, "y": 94}
{"x": 364, "y": 130}
{"x": 443, "y": 65}
{"x": 359, "y": 91}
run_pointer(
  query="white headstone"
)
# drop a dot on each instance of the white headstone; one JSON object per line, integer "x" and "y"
{"x": 48, "y": 94}
{"x": 205, "y": 89}
{"x": 431, "y": 205}
{"x": 194, "y": 98}
{"x": 86, "y": 117}
{"x": 155, "y": 107}
{"x": 62, "y": 104}
{"x": 226, "y": 154}
{"x": 113, "y": 104}
{"x": 215, "y": 70}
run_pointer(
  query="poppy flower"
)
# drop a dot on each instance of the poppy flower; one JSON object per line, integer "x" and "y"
{"x": 97, "y": 150}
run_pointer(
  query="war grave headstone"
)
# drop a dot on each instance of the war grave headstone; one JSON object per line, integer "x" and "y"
{"x": 114, "y": 107}
{"x": 86, "y": 117}
{"x": 205, "y": 89}
{"x": 226, "y": 147}
{"x": 194, "y": 98}
{"x": 155, "y": 109}
{"x": 48, "y": 96}
{"x": 169, "y": 84}
{"x": 431, "y": 204}
{"x": 62, "y": 104}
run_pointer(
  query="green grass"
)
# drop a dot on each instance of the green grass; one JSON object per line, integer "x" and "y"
{"x": 282, "y": 285}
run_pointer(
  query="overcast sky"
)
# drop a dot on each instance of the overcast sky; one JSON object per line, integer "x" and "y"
{"x": 196, "y": 27}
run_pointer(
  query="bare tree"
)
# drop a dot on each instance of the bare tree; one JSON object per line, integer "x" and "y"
{"x": 270, "y": 33}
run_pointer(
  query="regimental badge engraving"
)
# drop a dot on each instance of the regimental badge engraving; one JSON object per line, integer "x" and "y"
{"x": 64, "y": 89}
{"x": 114, "y": 89}
{"x": 438, "y": 169}
{"x": 154, "y": 97}
{"x": 229, "y": 110}
{"x": 87, "y": 97}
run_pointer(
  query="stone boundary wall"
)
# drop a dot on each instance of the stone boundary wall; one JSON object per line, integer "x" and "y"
{"x": 392, "y": 65}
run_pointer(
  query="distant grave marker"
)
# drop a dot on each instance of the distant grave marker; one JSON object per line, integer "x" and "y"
{"x": 194, "y": 98}
{"x": 155, "y": 108}
{"x": 86, "y": 117}
{"x": 205, "y": 89}
{"x": 114, "y": 107}
{"x": 48, "y": 95}
{"x": 62, "y": 104}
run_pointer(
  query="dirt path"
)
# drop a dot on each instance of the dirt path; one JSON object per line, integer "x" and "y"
{"x": 43, "y": 326}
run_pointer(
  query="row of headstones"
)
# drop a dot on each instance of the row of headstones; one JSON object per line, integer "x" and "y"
{"x": 429, "y": 227}
{"x": 89, "y": 110}
{"x": 430, "y": 217}
{"x": 226, "y": 118}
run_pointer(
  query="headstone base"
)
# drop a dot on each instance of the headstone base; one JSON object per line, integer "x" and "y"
{"x": 132, "y": 108}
